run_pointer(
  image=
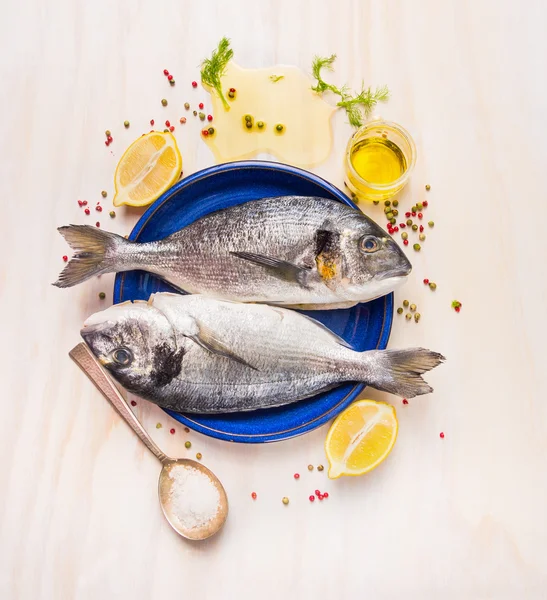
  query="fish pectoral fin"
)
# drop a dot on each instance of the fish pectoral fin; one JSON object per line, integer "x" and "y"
{"x": 207, "y": 339}
{"x": 281, "y": 269}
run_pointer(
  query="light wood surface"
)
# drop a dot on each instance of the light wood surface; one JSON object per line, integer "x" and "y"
{"x": 463, "y": 517}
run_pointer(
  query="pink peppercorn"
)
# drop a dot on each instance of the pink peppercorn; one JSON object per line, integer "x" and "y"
{"x": 297, "y": 476}
{"x": 201, "y": 105}
{"x": 326, "y": 495}
{"x": 133, "y": 403}
{"x": 86, "y": 211}
{"x": 172, "y": 431}
{"x": 194, "y": 84}
{"x": 65, "y": 258}
{"x": 312, "y": 498}
{"x": 209, "y": 117}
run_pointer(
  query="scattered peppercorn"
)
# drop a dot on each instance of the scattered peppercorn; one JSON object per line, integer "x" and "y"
{"x": 172, "y": 431}
{"x": 253, "y": 495}
{"x": 195, "y": 113}
{"x": 409, "y": 222}
{"x": 441, "y": 435}
{"x": 296, "y": 476}
{"x": 260, "y": 124}
{"x": 395, "y": 212}
{"x": 248, "y": 124}
{"x": 376, "y": 202}
{"x": 426, "y": 281}
{"x": 389, "y": 215}
{"x": 107, "y": 133}
{"x": 405, "y": 242}
{"x": 204, "y": 132}
{"x": 158, "y": 425}
{"x": 152, "y": 122}
{"x": 99, "y": 208}
{"x": 419, "y": 206}
{"x": 320, "y": 467}
{"x": 395, "y": 202}
{"x": 209, "y": 117}
{"x": 86, "y": 211}
{"x": 126, "y": 124}
{"x": 310, "y": 467}
{"x": 285, "y": 500}
{"x": 428, "y": 187}
{"x": 65, "y": 258}
{"x": 279, "y": 128}
{"x": 211, "y": 130}
{"x": 187, "y": 444}
{"x": 200, "y": 105}
{"x": 104, "y": 194}
{"x": 400, "y": 311}
{"x": 412, "y": 307}
{"x": 202, "y": 116}
{"x": 432, "y": 286}
{"x": 133, "y": 403}
{"x": 417, "y": 247}
{"x": 164, "y": 102}
{"x": 417, "y": 317}
{"x": 312, "y": 498}
{"x": 405, "y": 401}
{"x": 231, "y": 95}
{"x": 425, "y": 203}
{"x": 387, "y": 203}
{"x": 102, "y": 295}
{"x": 97, "y": 224}
{"x": 172, "y": 128}
{"x": 414, "y": 227}
{"x": 182, "y": 120}
{"x": 170, "y": 77}
{"x": 194, "y": 84}
{"x": 186, "y": 430}
{"x": 431, "y": 224}
{"x": 408, "y": 316}
{"x": 422, "y": 237}
{"x": 405, "y": 303}
{"x": 166, "y": 130}
{"x": 421, "y": 228}
{"x": 404, "y": 235}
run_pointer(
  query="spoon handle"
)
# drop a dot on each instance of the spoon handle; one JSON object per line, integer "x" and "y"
{"x": 85, "y": 359}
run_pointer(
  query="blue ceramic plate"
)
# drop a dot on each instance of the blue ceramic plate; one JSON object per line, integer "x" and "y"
{"x": 365, "y": 326}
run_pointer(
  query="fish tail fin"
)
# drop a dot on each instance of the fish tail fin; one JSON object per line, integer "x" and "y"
{"x": 94, "y": 253}
{"x": 400, "y": 372}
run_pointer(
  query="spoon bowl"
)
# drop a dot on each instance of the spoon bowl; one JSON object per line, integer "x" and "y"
{"x": 164, "y": 492}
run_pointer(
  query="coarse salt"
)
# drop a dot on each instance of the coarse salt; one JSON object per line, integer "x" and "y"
{"x": 195, "y": 499}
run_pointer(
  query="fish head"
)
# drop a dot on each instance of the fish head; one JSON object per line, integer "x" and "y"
{"x": 374, "y": 262}
{"x": 136, "y": 343}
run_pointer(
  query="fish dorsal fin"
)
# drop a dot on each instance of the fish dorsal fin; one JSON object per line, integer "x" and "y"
{"x": 336, "y": 337}
{"x": 281, "y": 269}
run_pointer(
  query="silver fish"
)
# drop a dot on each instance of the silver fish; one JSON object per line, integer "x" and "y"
{"x": 190, "y": 353}
{"x": 300, "y": 251}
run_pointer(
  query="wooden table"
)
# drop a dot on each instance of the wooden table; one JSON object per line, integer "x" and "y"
{"x": 459, "y": 517}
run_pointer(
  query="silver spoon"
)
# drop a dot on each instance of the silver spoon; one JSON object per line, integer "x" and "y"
{"x": 85, "y": 359}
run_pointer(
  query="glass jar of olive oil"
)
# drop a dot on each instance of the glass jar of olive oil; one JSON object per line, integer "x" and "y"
{"x": 380, "y": 157}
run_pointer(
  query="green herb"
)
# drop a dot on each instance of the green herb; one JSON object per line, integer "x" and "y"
{"x": 276, "y": 78}
{"x": 354, "y": 103}
{"x": 212, "y": 69}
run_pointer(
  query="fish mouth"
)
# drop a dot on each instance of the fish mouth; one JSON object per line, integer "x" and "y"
{"x": 400, "y": 272}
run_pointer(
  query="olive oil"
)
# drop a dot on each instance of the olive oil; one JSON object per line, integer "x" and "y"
{"x": 378, "y": 160}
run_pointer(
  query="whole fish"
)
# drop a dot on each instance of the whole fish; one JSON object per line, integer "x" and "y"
{"x": 195, "y": 354}
{"x": 301, "y": 251}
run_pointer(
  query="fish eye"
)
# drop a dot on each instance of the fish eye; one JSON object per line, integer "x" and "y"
{"x": 369, "y": 244}
{"x": 122, "y": 356}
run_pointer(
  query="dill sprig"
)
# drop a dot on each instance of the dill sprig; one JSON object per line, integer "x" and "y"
{"x": 212, "y": 69}
{"x": 355, "y": 104}
{"x": 276, "y": 78}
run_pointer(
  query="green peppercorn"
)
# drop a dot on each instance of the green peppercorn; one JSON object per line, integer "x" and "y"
{"x": 428, "y": 187}
{"x": 202, "y": 116}
{"x": 417, "y": 317}
{"x": 404, "y": 235}
{"x": 422, "y": 237}
{"x": 166, "y": 130}
{"x": 405, "y": 303}
{"x": 399, "y": 311}
{"x": 414, "y": 227}
{"x": 172, "y": 81}
{"x": 107, "y": 133}
{"x": 199, "y": 455}
{"x": 187, "y": 444}
{"x": 103, "y": 194}
{"x": 393, "y": 220}
{"x": 187, "y": 105}
{"x": 376, "y": 202}
{"x": 248, "y": 124}
{"x": 387, "y": 203}
{"x": 431, "y": 224}
{"x": 320, "y": 467}
{"x": 409, "y": 222}
{"x": 231, "y": 95}
{"x": 389, "y": 215}
{"x": 279, "y": 128}
{"x": 102, "y": 295}
{"x": 112, "y": 214}
{"x": 285, "y": 500}
{"x": 408, "y": 316}
{"x": 260, "y": 124}
{"x": 164, "y": 102}
{"x": 395, "y": 202}
{"x": 211, "y": 130}
{"x": 412, "y": 307}
{"x": 432, "y": 286}
{"x": 248, "y": 118}
{"x": 417, "y": 247}
{"x": 310, "y": 467}
{"x": 126, "y": 124}
{"x": 413, "y": 209}
{"x": 387, "y": 209}
{"x": 158, "y": 425}
{"x": 195, "y": 113}
{"x": 395, "y": 212}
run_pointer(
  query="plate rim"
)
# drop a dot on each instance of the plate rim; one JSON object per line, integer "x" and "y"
{"x": 199, "y": 176}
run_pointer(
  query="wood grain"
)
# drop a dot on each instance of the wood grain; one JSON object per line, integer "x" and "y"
{"x": 462, "y": 517}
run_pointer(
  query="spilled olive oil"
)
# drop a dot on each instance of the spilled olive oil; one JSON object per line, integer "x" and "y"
{"x": 378, "y": 161}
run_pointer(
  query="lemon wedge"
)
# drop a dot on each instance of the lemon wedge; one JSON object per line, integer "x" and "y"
{"x": 149, "y": 167}
{"x": 360, "y": 438}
